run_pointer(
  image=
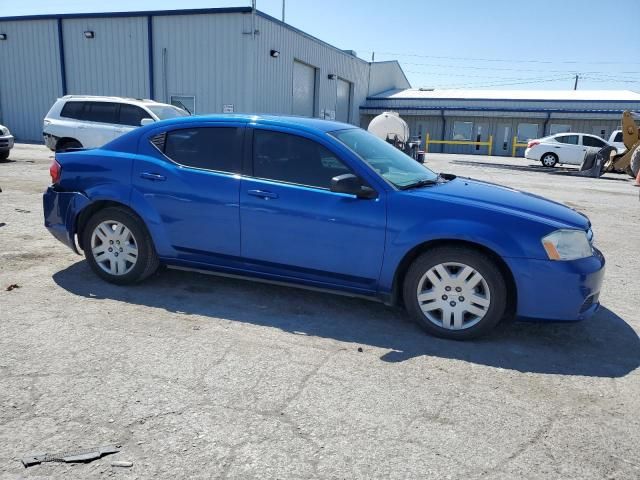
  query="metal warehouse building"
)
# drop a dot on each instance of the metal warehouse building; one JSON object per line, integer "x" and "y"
{"x": 211, "y": 60}
{"x": 475, "y": 115}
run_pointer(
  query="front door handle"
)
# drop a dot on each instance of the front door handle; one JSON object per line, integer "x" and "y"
{"x": 156, "y": 177}
{"x": 262, "y": 194}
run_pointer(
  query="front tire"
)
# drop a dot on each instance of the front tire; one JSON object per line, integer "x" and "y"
{"x": 455, "y": 292}
{"x": 118, "y": 247}
{"x": 549, "y": 160}
{"x": 4, "y": 155}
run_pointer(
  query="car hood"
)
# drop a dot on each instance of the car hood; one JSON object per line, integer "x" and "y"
{"x": 507, "y": 200}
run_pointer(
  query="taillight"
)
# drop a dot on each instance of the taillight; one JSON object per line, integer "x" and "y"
{"x": 533, "y": 143}
{"x": 55, "y": 170}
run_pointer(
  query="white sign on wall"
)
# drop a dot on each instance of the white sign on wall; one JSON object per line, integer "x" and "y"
{"x": 228, "y": 108}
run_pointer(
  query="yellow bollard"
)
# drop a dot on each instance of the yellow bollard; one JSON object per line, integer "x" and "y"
{"x": 514, "y": 145}
{"x": 426, "y": 143}
{"x": 490, "y": 144}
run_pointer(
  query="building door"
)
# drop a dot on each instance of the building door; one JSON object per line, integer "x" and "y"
{"x": 502, "y": 141}
{"x": 343, "y": 100}
{"x": 304, "y": 89}
{"x": 601, "y": 131}
{"x": 480, "y": 134}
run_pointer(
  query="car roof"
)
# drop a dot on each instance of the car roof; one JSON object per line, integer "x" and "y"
{"x": 300, "y": 123}
{"x": 99, "y": 98}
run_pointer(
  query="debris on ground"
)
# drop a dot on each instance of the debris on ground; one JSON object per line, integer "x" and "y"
{"x": 22, "y": 210}
{"x": 86, "y": 455}
{"x": 121, "y": 463}
{"x": 360, "y": 349}
{"x": 13, "y": 286}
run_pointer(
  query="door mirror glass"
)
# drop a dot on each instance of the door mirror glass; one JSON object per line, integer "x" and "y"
{"x": 350, "y": 184}
{"x": 146, "y": 121}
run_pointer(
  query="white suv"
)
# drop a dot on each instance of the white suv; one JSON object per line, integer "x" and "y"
{"x": 77, "y": 121}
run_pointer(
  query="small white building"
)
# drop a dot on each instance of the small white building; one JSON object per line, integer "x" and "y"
{"x": 503, "y": 114}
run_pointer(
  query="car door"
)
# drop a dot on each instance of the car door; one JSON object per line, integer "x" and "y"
{"x": 569, "y": 149}
{"x": 129, "y": 118}
{"x": 592, "y": 143}
{"x": 187, "y": 182}
{"x": 293, "y": 225}
{"x": 99, "y": 124}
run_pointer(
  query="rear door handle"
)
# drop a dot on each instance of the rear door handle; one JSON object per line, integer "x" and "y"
{"x": 156, "y": 177}
{"x": 262, "y": 194}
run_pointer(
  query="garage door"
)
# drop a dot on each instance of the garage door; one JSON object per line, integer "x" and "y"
{"x": 304, "y": 89}
{"x": 343, "y": 101}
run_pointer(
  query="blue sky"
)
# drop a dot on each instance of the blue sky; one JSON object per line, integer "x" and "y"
{"x": 498, "y": 44}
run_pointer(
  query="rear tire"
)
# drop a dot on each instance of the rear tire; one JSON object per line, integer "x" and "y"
{"x": 549, "y": 160}
{"x": 118, "y": 247}
{"x": 455, "y": 292}
{"x": 63, "y": 145}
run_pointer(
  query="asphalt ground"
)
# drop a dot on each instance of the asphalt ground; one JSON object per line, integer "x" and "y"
{"x": 206, "y": 377}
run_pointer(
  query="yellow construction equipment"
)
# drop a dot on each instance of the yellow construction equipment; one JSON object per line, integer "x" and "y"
{"x": 628, "y": 161}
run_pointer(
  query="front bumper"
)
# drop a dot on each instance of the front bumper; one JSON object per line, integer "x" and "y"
{"x": 557, "y": 290}
{"x": 61, "y": 211}
{"x": 6, "y": 142}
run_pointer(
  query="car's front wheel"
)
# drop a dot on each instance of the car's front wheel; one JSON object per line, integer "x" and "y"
{"x": 549, "y": 160}
{"x": 4, "y": 155}
{"x": 455, "y": 292}
{"x": 117, "y": 246}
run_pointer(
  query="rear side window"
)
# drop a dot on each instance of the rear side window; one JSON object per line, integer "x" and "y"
{"x": 102, "y": 112}
{"x": 568, "y": 139}
{"x": 210, "y": 148}
{"x": 618, "y": 137}
{"x": 592, "y": 142}
{"x": 293, "y": 159}
{"x": 132, "y": 115}
{"x": 72, "y": 110}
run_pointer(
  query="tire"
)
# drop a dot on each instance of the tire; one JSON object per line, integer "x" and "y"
{"x": 4, "y": 155}
{"x": 549, "y": 160}
{"x": 635, "y": 162}
{"x": 135, "y": 264}
{"x": 63, "y": 145}
{"x": 478, "y": 306}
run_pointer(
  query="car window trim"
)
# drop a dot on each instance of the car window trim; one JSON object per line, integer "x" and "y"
{"x": 181, "y": 165}
{"x": 283, "y": 182}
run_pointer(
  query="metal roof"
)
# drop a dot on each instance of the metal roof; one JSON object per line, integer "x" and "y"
{"x": 511, "y": 95}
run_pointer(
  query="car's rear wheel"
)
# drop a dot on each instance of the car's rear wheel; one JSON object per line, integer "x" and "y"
{"x": 455, "y": 292}
{"x": 118, "y": 247}
{"x": 549, "y": 160}
{"x": 66, "y": 144}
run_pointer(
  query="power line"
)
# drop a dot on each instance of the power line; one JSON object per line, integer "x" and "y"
{"x": 504, "y": 60}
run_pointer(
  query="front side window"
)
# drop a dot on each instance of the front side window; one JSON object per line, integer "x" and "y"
{"x": 527, "y": 131}
{"x": 131, "y": 115}
{"x": 210, "y": 148}
{"x": 588, "y": 141}
{"x": 165, "y": 112}
{"x": 568, "y": 139}
{"x": 293, "y": 159}
{"x": 389, "y": 162}
{"x": 462, "y": 130}
{"x": 618, "y": 137}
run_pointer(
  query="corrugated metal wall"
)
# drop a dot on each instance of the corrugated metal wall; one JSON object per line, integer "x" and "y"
{"x": 29, "y": 75}
{"x": 206, "y": 56}
{"x": 274, "y": 76}
{"x": 112, "y": 63}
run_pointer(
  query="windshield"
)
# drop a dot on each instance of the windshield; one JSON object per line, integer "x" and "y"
{"x": 164, "y": 112}
{"x": 394, "y": 166}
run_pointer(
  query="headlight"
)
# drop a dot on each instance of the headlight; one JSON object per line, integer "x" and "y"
{"x": 4, "y": 131}
{"x": 567, "y": 245}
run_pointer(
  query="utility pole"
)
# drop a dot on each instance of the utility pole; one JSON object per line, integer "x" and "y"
{"x": 282, "y": 11}
{"x": 373, "y": 57}
{"x": 575, "y": 85}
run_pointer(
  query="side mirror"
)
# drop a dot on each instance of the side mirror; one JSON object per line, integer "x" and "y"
{"x": 350, "y": 184}
{"x": 146, "y": 121}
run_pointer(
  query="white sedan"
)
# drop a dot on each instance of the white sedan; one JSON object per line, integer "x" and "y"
{"x": 567, "y": 148}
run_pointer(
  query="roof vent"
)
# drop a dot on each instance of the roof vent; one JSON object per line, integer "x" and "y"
{"x": 351, "y": 52}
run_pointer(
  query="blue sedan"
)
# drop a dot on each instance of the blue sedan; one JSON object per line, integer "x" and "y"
{"x": 322, "y": 205}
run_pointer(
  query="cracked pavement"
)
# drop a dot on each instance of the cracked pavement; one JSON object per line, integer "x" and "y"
{"x": 207, "y": 377}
